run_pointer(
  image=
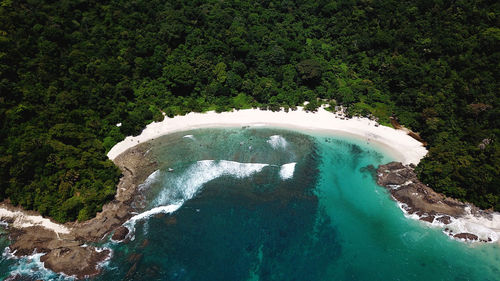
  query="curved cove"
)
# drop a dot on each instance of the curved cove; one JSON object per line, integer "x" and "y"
{"x": 273, "y": 204}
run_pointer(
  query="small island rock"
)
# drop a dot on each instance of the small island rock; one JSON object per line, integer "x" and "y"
{"x": 120, "y": 233}
{"x": 466, "y": 236}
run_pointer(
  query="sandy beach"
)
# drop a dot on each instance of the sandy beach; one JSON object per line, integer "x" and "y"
{"x": 131, "y": 156}
{"x": 22, "y": 220}
{"x": 398, "y": 143}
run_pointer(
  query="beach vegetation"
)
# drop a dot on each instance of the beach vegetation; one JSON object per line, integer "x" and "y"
{"x": 71, "y": 70}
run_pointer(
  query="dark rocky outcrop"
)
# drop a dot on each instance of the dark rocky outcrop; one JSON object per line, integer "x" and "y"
{"x": 135, "y": 168}
{"x": 402, "y": 183}
{"x": 444, "y": 219}
{"x": 466, "y": 236}
{"x": 419, "y": 199}
{"x": 67, "y": 253}
{"x": 65, "y": 259}
{"x": 120, "y": 233}
{"x": 428, "y": 219}
{"x": 63, "y": 252}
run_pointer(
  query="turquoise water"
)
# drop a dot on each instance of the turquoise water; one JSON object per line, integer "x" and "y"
{"x": 271, "y": 204}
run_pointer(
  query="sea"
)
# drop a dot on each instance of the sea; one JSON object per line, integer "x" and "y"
{"x": 263, "y": 203}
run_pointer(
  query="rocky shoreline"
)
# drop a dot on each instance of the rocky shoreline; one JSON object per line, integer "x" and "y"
{"x": 459, "y": 220}
{"x": 68, "y": 253}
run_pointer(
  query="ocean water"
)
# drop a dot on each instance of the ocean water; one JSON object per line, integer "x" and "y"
{"x": 272, "y": 204}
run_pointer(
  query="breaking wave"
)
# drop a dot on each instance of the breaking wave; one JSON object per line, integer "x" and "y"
{"x": 154, "y": 177}
{"x": 186, "y": 185}
{"x": 31, "y": 266}
{"x": 287, "y": 170}
{"x": 277, "y": 141}
{"x": 158, "y": 210}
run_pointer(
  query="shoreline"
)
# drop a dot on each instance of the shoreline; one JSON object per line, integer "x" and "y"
{"x": 402, "y": 146}
{"x": 21, "y": 218}
{"x": 132, "y": 158}
{"x": 65, "y": 247}
{"x": 459, "y": 220}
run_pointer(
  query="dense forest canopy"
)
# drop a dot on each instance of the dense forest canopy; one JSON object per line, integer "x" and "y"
{"x": 70, "y": 70}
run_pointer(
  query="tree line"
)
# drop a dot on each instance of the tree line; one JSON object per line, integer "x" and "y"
{"x": 71, "y": 70}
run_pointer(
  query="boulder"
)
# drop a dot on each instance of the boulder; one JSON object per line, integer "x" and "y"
{"x": 466, "y": 236}
{"x": 429, "y": 219}
{"x": 444, "y": 219}
{"x": 75, "y": 260}
{"x": 120, "y": 233}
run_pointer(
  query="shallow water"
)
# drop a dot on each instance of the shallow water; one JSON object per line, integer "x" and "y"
{"x": 270, "y": 204}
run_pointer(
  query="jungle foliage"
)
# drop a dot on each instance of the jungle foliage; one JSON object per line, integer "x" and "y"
{"x": 70, "y": 70}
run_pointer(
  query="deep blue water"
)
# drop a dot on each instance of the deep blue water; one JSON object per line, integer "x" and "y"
{"x": 271, "y": 204}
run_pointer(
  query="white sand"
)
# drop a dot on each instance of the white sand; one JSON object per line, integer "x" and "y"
{"x": 397, "y": 143}
{"x": 401, "y": 146}
{"x": 22, "y": 220}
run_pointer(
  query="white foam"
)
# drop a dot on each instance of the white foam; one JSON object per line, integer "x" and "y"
{"x": 277, "y": 141}
{"x": 158, "y": 210}
{"x": 32, "y": 266}
{"x": 8, "y": 254}
{"x": 186, "y": 185}
{"x": 105, "y": 263}
{"x": 189, "y": 137}
{"x": 485, "y": 228}
{"x": 152, "y": 178}
{"x": 286, "y": 170}
{"x": 403, "y": 208}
